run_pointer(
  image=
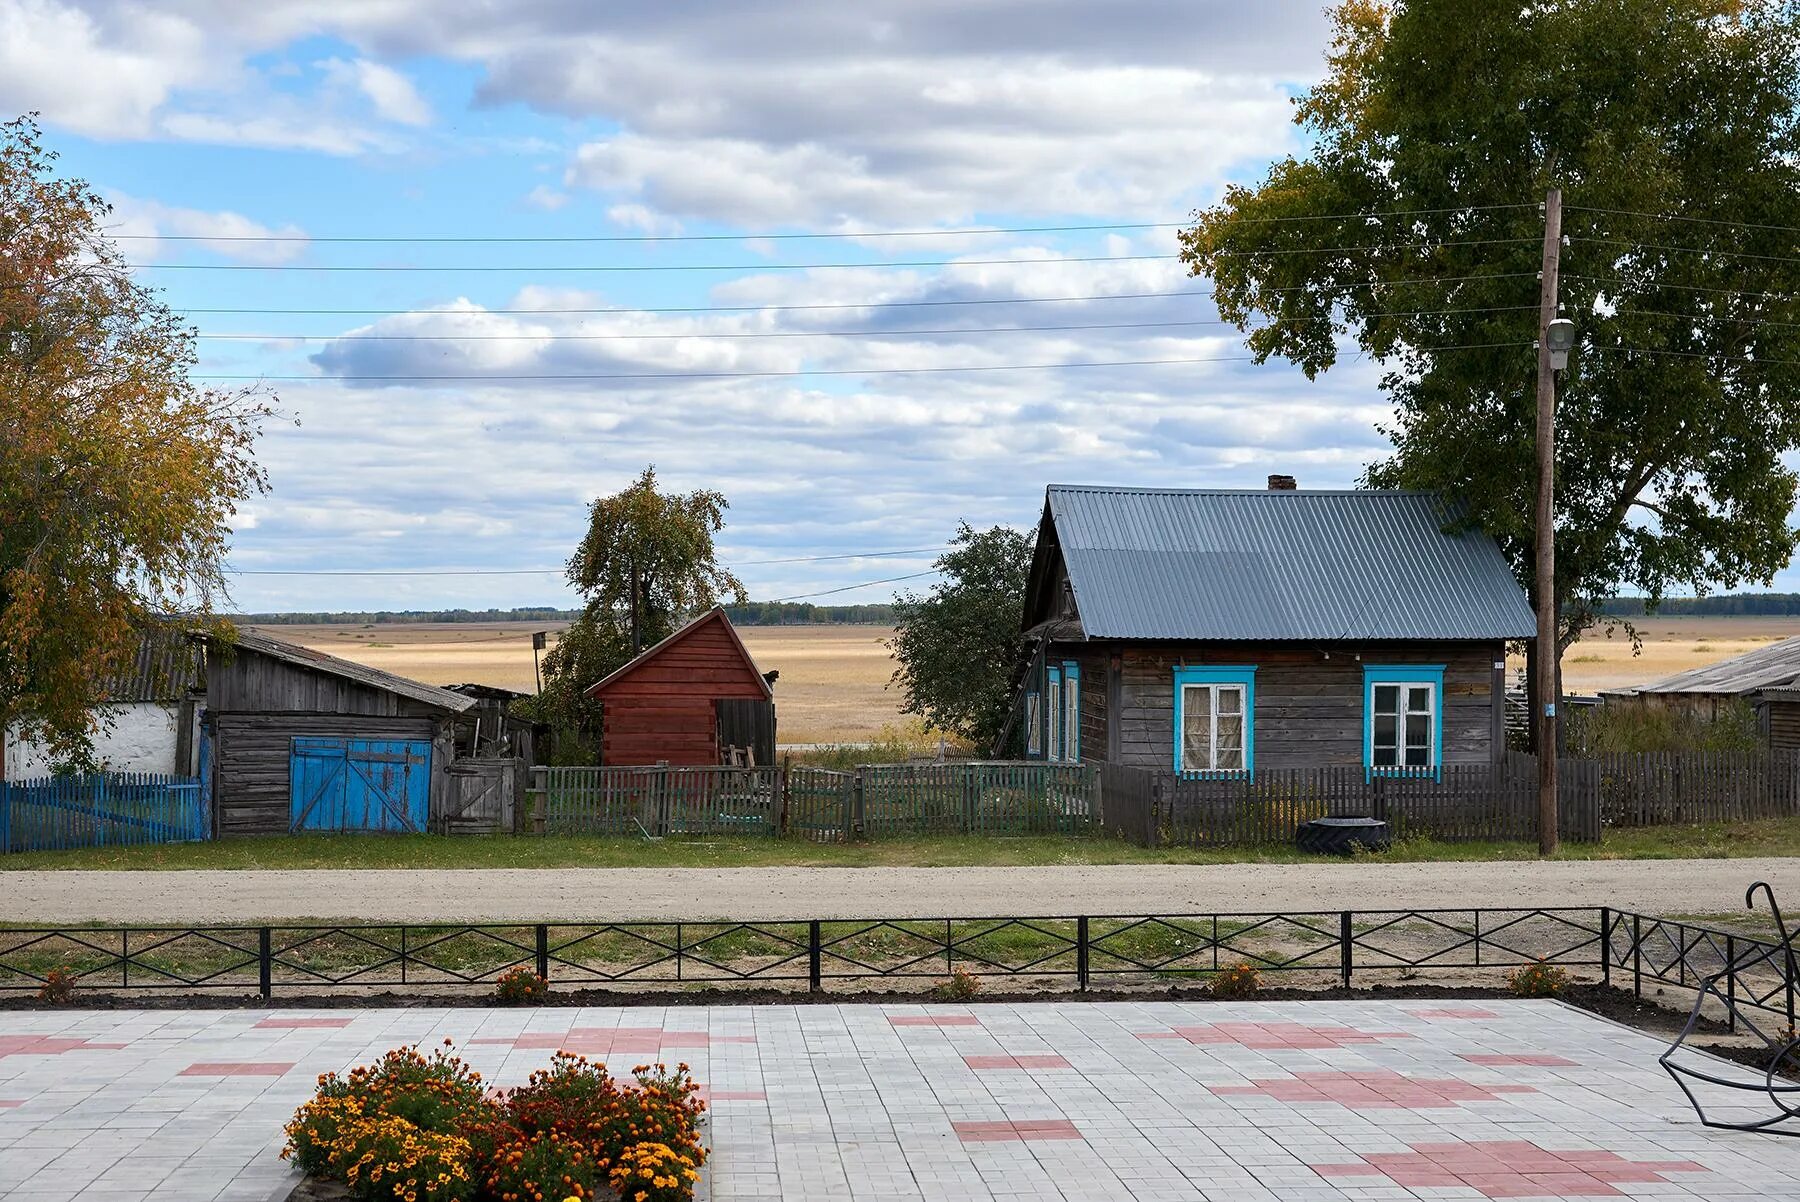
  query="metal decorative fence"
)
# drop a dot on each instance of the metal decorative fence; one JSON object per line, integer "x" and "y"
{"x": 1079, "y": 952}
{"x": 660, "y": 801}
{"x": 114, "y": 809}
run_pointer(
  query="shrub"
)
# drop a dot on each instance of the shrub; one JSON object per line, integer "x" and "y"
{"x": 961, "y": 986}
{"x": 58, "y": 987}
{"x": 520, "y": 987}
{"x": 1241, "y": 980}
{"x": 1539, "y": 979}
{"x": 546, "y": 1167}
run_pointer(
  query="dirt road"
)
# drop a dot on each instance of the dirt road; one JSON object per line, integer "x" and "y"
{"x": 494, "y": 895}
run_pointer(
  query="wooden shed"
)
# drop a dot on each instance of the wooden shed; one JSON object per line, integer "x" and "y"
{"x": 299, "y": 740}
{"x": 687, "y": 701}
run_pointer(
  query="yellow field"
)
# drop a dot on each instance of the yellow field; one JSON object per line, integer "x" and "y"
{"x": 832, "y": 687}
{"x": 833, "y": 678}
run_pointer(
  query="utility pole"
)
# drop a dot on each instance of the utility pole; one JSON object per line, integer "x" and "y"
{"x": 1546, "y": 530}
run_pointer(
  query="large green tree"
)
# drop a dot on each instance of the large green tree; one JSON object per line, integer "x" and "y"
{"x": 119, "y": 475}
{"x": 1413, "y": 228}
{"x": 956, "y": 646}
{"x": 646, "y": 565}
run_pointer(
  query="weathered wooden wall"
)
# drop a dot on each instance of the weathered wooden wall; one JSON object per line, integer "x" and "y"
{"x": 251, "y": 760}
{"x": 662, "y": 709}
{"x": 244, "y": 680}
{"x": 481, "y": 797}
{"x": 1308, "y": 708}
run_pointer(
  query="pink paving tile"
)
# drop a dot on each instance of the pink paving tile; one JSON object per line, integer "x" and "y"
{"x": 1510, "y": 1169}
{"x": 1024, "y": 1129}
{"x": 934, "y": 1020}
{"x": 50, "y": 1045}
{"x": 1374, "y": 1090}
{"x": 601, "y": 1041}
{"x": 1453, "y": 1012}
{"x": 1015, "y": 1062}
{"x": 303, "y": 1024}
{"x": 1275, "y": 1035}
{"x": 1533, "y": 1060}
{"x": 10, "y": 1103}
{"x": 247, "y": 1068}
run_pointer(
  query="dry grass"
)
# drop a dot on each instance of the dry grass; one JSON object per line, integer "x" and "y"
{"x": 832, "y": 687}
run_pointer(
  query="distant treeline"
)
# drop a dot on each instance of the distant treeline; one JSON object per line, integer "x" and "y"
{"x": 1725, "y": 605}
{"x": 756, "y": 613}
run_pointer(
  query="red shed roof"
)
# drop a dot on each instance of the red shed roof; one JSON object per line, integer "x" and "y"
{"x": 713, "y": 616}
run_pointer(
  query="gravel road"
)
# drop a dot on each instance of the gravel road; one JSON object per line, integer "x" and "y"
{"x": 502, "y": 895}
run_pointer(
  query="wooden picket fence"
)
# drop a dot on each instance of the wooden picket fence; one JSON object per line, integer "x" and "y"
{"x": 114, "y": 809}
{"x": 1657, "y": 789}
{"x": 659, "y": 800}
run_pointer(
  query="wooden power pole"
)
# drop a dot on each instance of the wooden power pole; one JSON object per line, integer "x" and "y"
{"x": 1546, "y": 531}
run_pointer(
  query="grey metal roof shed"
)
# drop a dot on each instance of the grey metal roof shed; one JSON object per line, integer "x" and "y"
{"x": 1772, "y": 667}
{"x": 1316, "y": 565}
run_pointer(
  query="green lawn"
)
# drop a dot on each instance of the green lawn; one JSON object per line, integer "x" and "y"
{"x": 1780, "y": 837}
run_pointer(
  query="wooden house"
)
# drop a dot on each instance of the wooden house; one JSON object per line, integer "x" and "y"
{"x": 689, "y": 700}
{"x": 1225, "y": 632}
{"x": 1767, "y": 679}
{"x": 303, "y": 741}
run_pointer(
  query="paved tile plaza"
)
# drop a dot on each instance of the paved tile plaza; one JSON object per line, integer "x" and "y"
{"x": 1153, "y": 1100}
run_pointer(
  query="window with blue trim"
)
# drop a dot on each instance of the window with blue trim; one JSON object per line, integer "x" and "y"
{"x": 1215, "y": 719}
{"x": 1403, "y": 718}
{"x": 1053, "y": 713}
{"x": 1071, "y": 724}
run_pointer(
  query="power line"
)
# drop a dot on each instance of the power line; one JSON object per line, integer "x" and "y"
{"x": 561, "y": 239}
{"x": 866, "y": 333}
{"x": 1717, "y": 355}
{"x": 1742, "y": 225}
{"x": 1333, "y": 250}
{"x": 1008, "y": 300}
{"x": 564, "y": 239}
{"x": 747, "y": 563}
{"x": 1693, "y": 250}
{"x": 642, "y": 267}
{"x": 1658, "y": 284}
{"x": 732, "y": 375}
{"x": 851, "y": 587}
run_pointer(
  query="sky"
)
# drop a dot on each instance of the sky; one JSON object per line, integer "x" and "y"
{"x": 765, "y": 283}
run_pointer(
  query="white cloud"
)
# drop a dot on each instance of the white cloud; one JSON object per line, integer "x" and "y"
{"x": 391, "y": 93}
{"x": 546, "y": 198}
{"x": 641, "y": 217}
{"x": 105, "y": 75}
{"x": 224, "y": 232}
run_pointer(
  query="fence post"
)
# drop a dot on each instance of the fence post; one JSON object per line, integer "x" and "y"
{"x": 1731, "y": 982}
{"x": 1081, "y": 953}
{"x": 543, "y": 951}
{"x": 538, "y": 800}
{"x": 859, "y": 796}
{"x": 1606, "y": 945}
{"x": 1153, "y": 812}
{"x": 1345, "y": 944}
{"x": 815, "y": 977}
{"x": 265, "y": 966}
{"x": 5, "y": 818}
{"x": 781, "y": 795}
{"x": 1637, "y": 955}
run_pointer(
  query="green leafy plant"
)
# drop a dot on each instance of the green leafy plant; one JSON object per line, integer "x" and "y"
{"x": 520, "y": 987}
{"x": 1241, "y": 980}
{"x": 961, "y": 986}
{"x": 1539, "y": 979}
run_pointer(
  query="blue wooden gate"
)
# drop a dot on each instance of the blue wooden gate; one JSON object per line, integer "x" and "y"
{"x": 359, "y": 785}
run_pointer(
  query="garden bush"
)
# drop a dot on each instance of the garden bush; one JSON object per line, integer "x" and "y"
{"x": 1241, "y": 980}
{"x": 520, "y": 987}
{"x": 417, "y": 1128}
{"x": 1539, "y": 979}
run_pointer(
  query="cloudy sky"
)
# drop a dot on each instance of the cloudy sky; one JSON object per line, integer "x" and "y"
{"x": 731, "y": 257}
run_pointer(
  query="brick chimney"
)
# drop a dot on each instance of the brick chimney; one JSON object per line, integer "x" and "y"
{"x": 1282, "y": 484}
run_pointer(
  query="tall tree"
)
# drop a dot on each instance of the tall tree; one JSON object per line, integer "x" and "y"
{"x": 118, "y": 475}
{"x": 1413, "y": 227}
{"x": 956, "y": 646}
{"x": 646, "y": 565}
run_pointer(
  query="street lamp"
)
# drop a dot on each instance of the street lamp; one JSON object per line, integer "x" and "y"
{"x": 1559, "y": 337}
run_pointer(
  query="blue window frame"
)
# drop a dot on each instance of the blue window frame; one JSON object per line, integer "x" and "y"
{"x": 1215, "y": 721}
{"x": 1403, "y": 719}
{"x": 1053, "y": 713}
{"x": 1071, "y": 723}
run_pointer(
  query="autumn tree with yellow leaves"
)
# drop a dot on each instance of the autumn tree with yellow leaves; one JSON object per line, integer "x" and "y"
{"x": 119, "y": 475}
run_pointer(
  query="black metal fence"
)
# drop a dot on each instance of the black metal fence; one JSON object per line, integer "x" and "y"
{"x": 1079, "y": 952}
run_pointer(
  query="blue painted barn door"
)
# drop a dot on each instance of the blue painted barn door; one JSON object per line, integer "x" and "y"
{"x": 359, "y": 785}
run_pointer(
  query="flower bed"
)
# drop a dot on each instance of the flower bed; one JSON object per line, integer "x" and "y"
{"x": 418, "y": 1128}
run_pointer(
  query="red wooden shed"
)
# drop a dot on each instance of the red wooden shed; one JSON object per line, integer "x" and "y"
{"x": 670, "y": 703}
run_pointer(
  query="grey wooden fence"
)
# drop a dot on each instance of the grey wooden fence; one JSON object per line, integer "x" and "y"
{"x": 1656, "y": 789}
{"x": 660, "y": 800}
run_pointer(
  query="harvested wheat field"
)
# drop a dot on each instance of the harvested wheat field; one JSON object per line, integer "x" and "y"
{"x": 832, "y": 687}
{"x": 1671, "y": 645}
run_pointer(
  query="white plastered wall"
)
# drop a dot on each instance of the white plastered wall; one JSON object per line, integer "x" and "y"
{"x": 140, "y": 738}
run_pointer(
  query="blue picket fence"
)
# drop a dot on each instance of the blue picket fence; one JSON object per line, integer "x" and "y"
{"x": 111, "y": 809}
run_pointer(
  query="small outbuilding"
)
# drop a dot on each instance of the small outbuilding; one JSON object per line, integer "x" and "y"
{"x": 691, "y": 700}
{"x": 304, "y": 741}
{"x": 1767, "y": 679}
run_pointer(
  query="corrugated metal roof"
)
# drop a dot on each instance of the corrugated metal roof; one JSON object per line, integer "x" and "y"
{"x": 375, "y": 678}
{"x": 1772, "y": 667}
{"x": 164, "y": 668}
{"x": 1315, "y": 565}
